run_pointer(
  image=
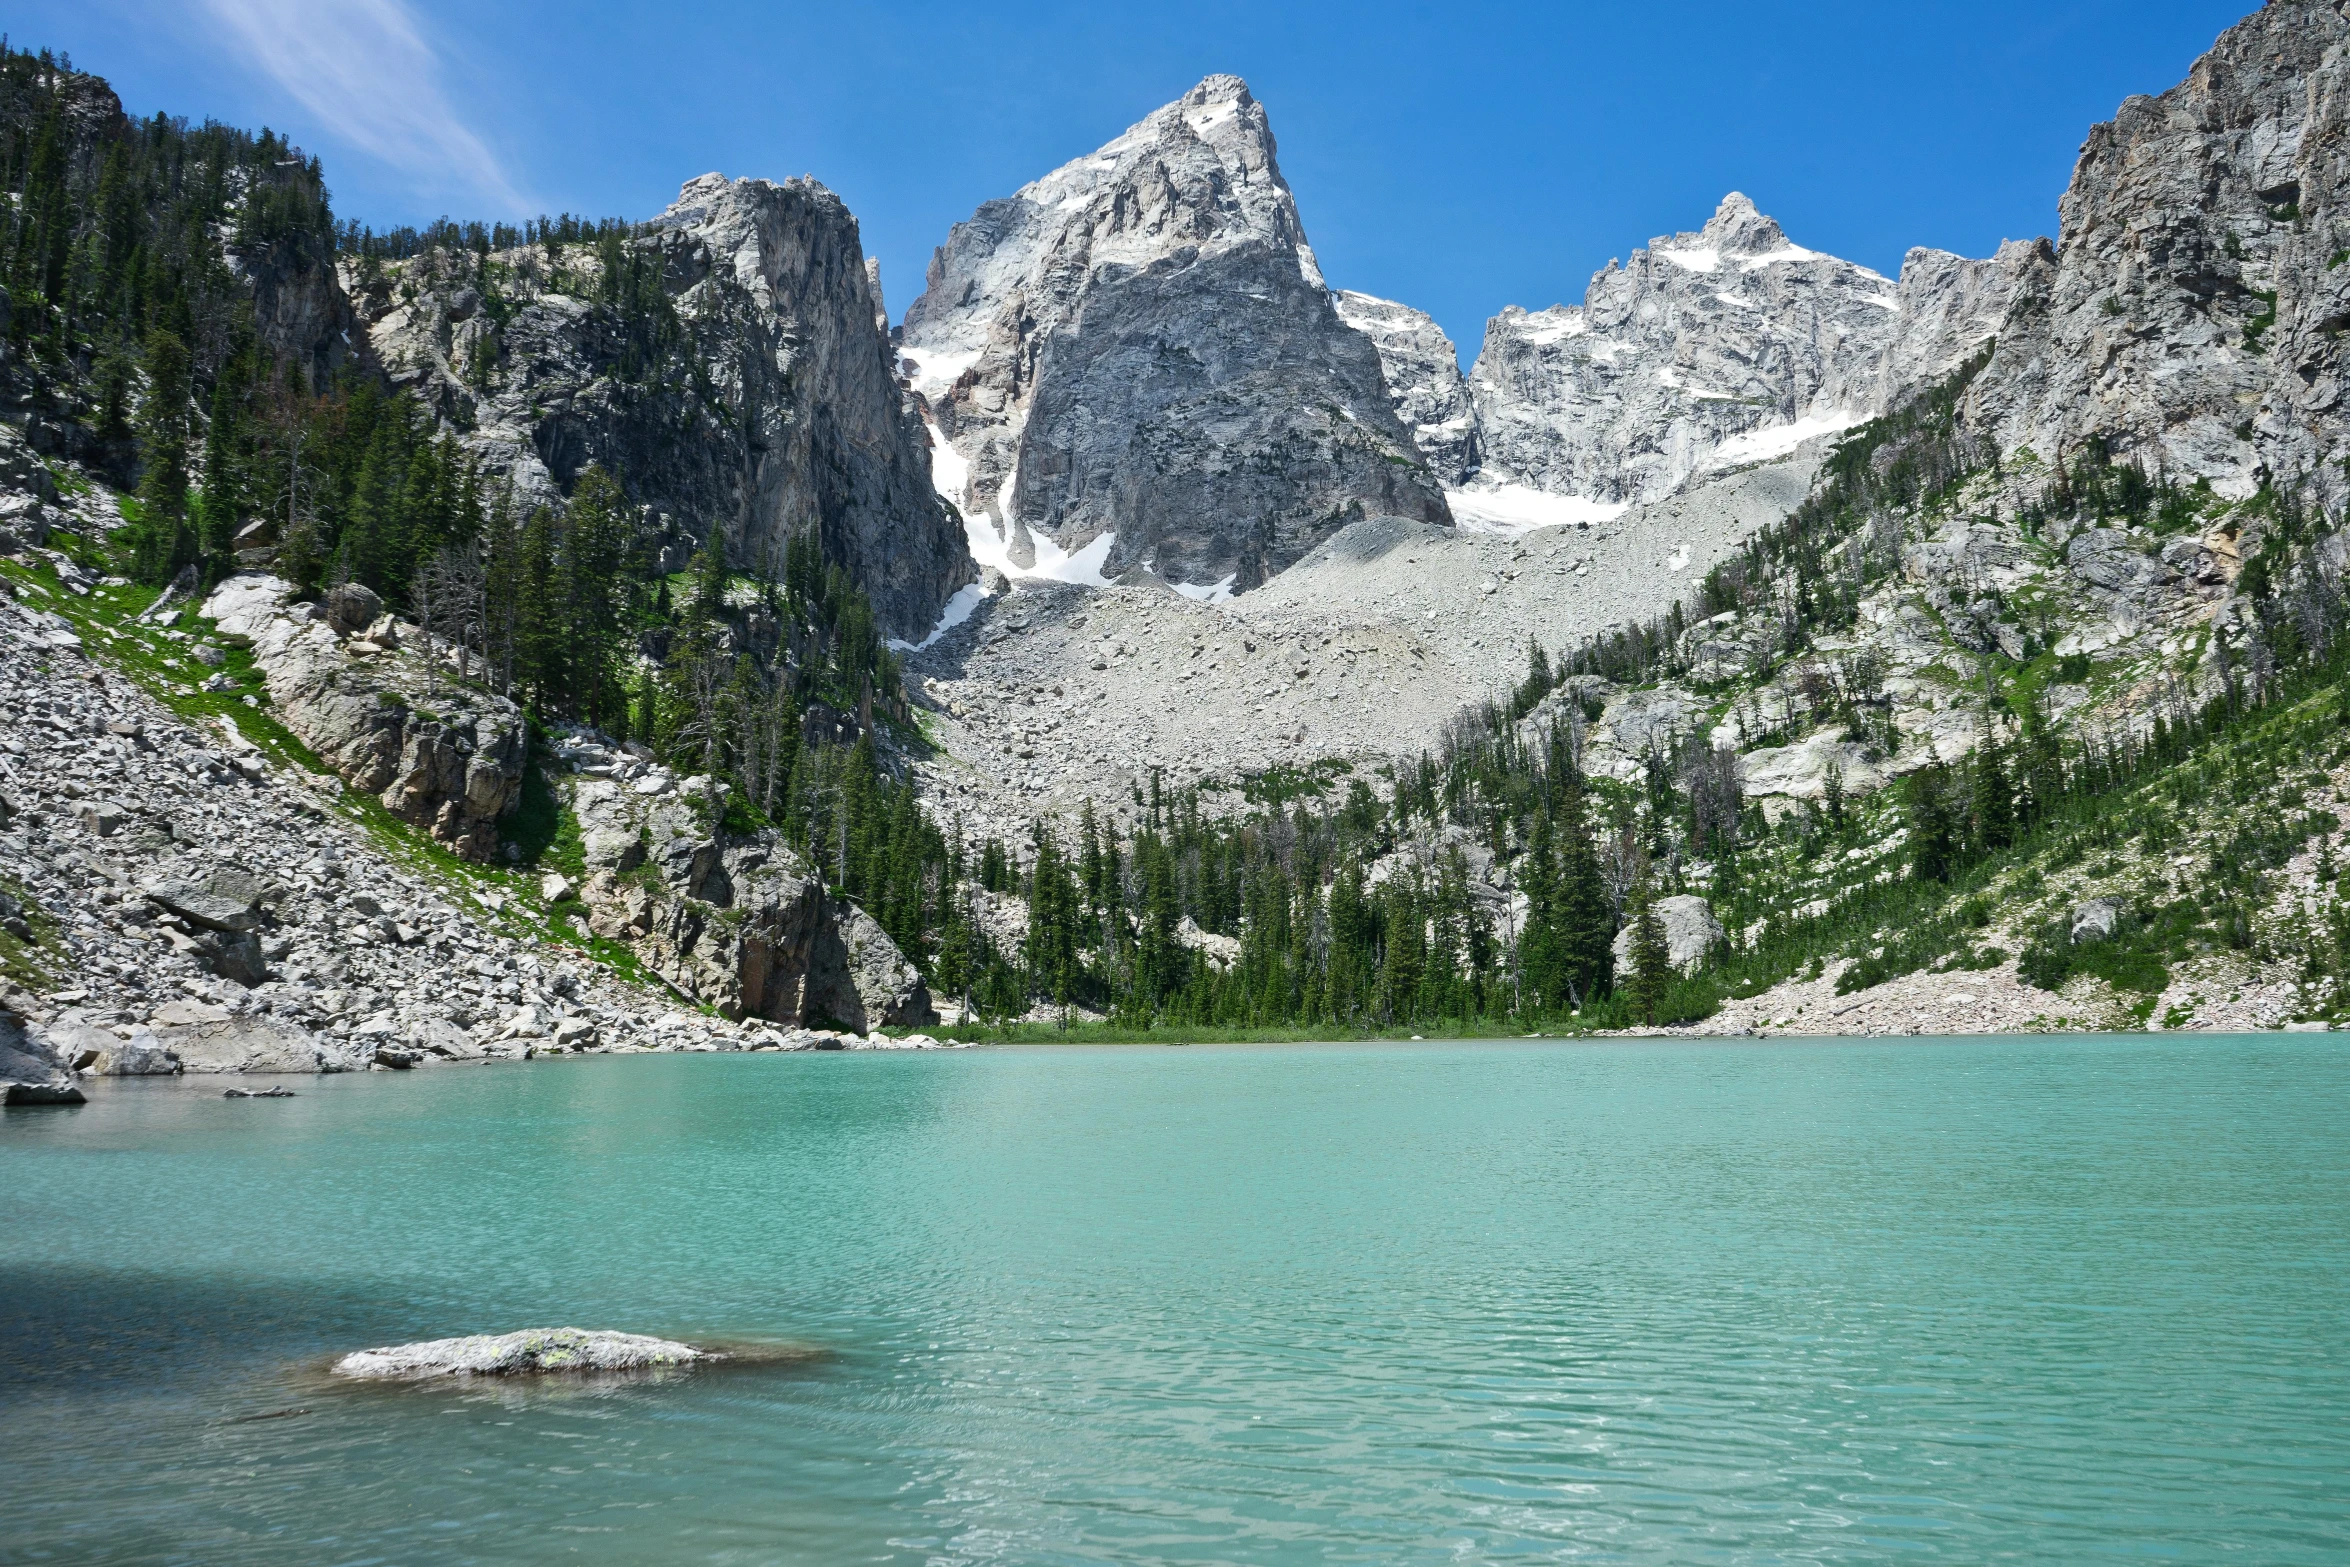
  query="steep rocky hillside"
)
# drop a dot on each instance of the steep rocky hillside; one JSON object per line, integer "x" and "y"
{"x": 1135, "y": 360}
{"x": 217, "y": 855}
{"x": 1164, "y": 638}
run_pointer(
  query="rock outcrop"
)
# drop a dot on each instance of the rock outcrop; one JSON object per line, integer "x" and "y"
{"x": 1691, "y": 934}
{"x": 739, "y": 923}
{"x": 728, "y": 359}
{"x": 2194, "y": 312}
{"x": 445, "y": 757}
{"x": 33, "y": 1071}
{"x": 1424, "y": 380}
{"x": 1718, "y": 348}
{"x": 1140, "y": 346}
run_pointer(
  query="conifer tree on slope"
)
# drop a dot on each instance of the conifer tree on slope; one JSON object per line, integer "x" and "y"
{"x": 1651, "y": 958}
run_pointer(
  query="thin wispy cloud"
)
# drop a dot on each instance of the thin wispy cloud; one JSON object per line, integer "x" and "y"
{"x": 366, "y": 70}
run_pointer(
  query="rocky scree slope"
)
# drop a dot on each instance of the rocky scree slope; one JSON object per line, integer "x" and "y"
{"x": 1140, "y": 345}
{"x": 1053, "y": 694}
{"x": 2194, "y": 314}
{"x": 736, "y": 922}
{"x": 186, "y": 888}
{"x": 730, "y": 358}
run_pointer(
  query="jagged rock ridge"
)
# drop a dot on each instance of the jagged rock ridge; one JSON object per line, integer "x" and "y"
{"x": 1714, "y": 348}
{"x": 1141, "y": 345}
{"x": 2194, "y": 311}
{"x": 768, "y": 409}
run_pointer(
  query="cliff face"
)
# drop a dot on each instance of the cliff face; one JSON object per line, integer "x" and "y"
{"x": 1711, "y": 349}
{"x": 729, "y": 362}
{"x": 1424, "y": 380}
{"x": 300, "y": 312}
{"x": 1141, "y": 345}
{"x": 2194, "y": 311}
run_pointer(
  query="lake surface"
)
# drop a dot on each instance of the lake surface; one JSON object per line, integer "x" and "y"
{"x": 2047, "y": 1300}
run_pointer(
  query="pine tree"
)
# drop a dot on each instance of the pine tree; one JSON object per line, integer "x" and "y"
{"x": 538, "y": 613}
{"x": 1933, "y": 838}
{"x": 1543, "y": 966}
{"x": 224, "y": 500}
{"x": 1994, "y": 795}
{"x": 164, "y": 542}
{"x": 1651, "y": 959}
{"x": 710, "y": 574}
{"x": 596, "y": 537}
{"x": 1586, "y": 915}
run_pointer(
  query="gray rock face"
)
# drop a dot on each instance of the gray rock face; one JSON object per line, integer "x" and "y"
{"x": 1141, "y": 344}
{"x": 536, "y": 1350}
{"x": 456, "y": 773}
{"x": 2111, "y": 559}
{"x": 740, "y": 925}
{"x": 2096, "y": 920}
{"x": 1714, "y": 349}
{"x": 2194, "y": 311}
{"x": 299, "y": 308}
{"x": 1950, "y": 306}
{"x": 1424, "y": 380}
{"x": 1691, "y": 931}
{"x": 32, "y": 1070}
{"x": 755, "y": 395}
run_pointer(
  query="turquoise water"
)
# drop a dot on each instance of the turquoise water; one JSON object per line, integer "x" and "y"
{"x": 1974, "y": 1301}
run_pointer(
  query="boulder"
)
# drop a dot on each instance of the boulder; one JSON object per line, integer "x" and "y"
{"x": 32, "y": 1070}
{"x": 256, "y": 1043}
{"x": 1691, "y": 932}
{"x": 2097, "y": 920}
{"x": 97, "y": 1052}
{"x": 534, "y": 1351}
{"x": 245, "y": 603}
{"x": 443, "y": 1038}
{"x": 103, "y": 818}
{"x": 352, "y": 608}
{"x": 214, "y": 898}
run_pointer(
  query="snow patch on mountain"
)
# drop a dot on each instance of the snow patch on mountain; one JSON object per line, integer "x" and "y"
{"x": 1778, "y": 440}
{"x": 1511, "y": 509}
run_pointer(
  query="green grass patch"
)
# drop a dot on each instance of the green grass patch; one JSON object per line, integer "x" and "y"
{"x": 36, "y": 964}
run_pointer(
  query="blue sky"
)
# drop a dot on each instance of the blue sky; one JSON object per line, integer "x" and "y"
{"x": 1459, "y": 157}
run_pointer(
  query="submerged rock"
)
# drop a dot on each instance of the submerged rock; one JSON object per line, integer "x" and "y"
{"x": 517, "y": 1354}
